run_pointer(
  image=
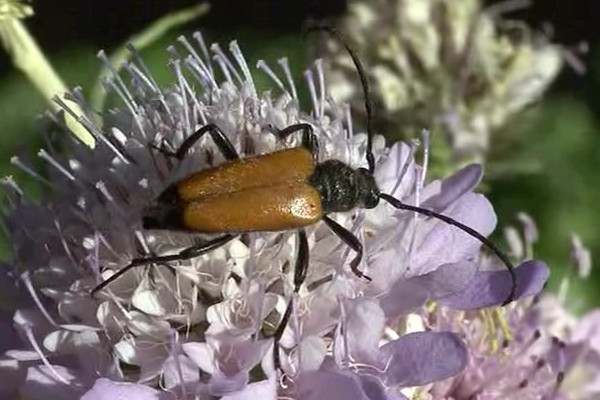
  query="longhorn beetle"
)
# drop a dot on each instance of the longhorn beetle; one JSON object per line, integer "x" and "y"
{"x": 285, "y": 190}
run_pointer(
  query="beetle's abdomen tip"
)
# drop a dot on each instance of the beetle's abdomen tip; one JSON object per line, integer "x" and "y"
{"x": 162, "y": 215}
{"x": 150, "y": 223}
{"x": 152, "y": 217}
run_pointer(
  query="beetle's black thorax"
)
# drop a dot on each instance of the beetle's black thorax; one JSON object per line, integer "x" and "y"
{"x": 343, "y": 188}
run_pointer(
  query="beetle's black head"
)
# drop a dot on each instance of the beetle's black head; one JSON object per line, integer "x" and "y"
{"x": 369, "y": 192}
{"x": 164, "y": 212}
{"x": 343, "y": 188}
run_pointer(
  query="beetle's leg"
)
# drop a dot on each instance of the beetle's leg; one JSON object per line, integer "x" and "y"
{"x": 352, "y": 241}
{"x": 217, "y": 135}
{"x": 300, "y": 271}
{"x": 185, "y": 254}
{"x": 309, "y": 139}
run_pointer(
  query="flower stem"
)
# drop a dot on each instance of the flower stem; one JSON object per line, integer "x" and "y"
{"x": 27, "y": 57}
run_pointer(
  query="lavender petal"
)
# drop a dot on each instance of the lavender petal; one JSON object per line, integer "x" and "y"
{"x": 422, "y": 357}
{"x": 318, "y": 385}
{"x": 491, "y": 288}
{"x": 446, "y": 243}
{"x": 259, "y": 390}
{"x": 455, "y": 186}
{"x": 448, "y": 279}
{"x": 587, "y": 329}
{"x": 580, "y": 257}
{"x": 220, "y": 384}
{"x": 404, "y": 297}
{"x": 105, "y": 389}
{"x": 179, "y": 370}
{"x": 375, "y": 390}
{"x": 43, "y": 383}
{"x": 363, "y": 325}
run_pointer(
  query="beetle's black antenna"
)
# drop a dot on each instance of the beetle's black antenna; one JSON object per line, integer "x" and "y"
{"x": 365, "y": 85}
{"x": 432, "y": 214}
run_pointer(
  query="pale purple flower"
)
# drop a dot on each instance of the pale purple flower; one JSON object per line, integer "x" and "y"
{"x": 532, "y": 350}
{"x": 580, "y": 257}
{"x": 519, "y": 362}
{"x": 104, "y": 389}
{"x": 450, "y": 66}
{"x": 360, "y": 368}
{"x": 203, "y": 328}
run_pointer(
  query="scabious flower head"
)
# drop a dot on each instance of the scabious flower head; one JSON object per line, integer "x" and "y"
{"x": 202, "y": 328}
{"x": 533, "y": 349}
{"x": 448, "y": 65}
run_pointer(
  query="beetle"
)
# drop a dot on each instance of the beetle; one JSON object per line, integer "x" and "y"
{"x": 286, "y": 190}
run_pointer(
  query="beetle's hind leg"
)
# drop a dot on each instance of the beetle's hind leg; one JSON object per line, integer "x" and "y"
{"x": 309, "y": 139}
{"x": 300, "y": 271}
{"x": 222, "y": 142}
{"x": 185, "y": 254}
{"x": 352, "y": 241}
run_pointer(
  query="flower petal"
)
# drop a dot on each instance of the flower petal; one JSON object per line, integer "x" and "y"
{"x": 319, "y": 385}
{"x": 105, "y": 389}
{"x": 444, "y": 243}
{"x": 491, "y": 288}
{"x": 57, "y": 383}
{"x": 363, "y": 323}
{"x": 422, "y": 357}
{"x": 448, "y": 279}
{"x": 202, "y": 355}
{"x": 374, "y": 390}
{"x": 404, "y": 297}
{"x": 220, "y": 384}
{"x": 455, "y": 186}
{"x": 179, "y": 370}
{"x": 580, "y": 257}
{"x": 386, "y": 174}
{"x": 310, "y": 353}
{"x": 587, "y": 330}
{"x": 263, "y": 390}
{"x": 333, "y": 385}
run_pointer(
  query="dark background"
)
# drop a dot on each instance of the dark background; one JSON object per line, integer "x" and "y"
{"x": 62, "y": 23}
